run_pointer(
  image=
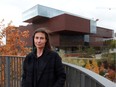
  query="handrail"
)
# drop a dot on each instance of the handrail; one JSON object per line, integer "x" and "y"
{"x": 102, "y": 81}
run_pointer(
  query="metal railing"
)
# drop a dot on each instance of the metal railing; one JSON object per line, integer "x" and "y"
{"x": 11, "y": 70}
{"x": 80, "y": 77}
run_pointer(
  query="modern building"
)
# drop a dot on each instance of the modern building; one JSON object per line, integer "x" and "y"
{"x": 68, "y": 31}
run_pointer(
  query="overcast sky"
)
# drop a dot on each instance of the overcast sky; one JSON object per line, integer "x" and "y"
{"x": 104, "y": 10}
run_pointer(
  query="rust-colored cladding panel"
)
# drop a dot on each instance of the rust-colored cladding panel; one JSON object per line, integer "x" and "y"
{"x": 55, "y": 39}
{"x": 57, "y": 23}
{"x": 69, "y": 22}
{"x": 53, "y": 24}
{"x": 77, "y": 24}
{"x": 103, "y": 32}
{"x": 96, "y": 41}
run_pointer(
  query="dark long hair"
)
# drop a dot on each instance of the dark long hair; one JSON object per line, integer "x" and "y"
{"x": 47, "y": 44}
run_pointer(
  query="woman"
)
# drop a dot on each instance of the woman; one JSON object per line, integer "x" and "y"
{"x": 42, "y": 67}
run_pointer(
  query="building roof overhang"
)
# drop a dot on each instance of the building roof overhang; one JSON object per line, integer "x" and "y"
{"x": 36, "y": 19}
{"x": 69, "y": 32}
{"x": 40, "y": 11}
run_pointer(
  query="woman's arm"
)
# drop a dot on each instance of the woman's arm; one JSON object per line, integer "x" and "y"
{"x": 59, "y": 72}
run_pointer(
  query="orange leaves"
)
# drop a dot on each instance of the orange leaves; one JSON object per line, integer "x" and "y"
{"x": 25, "y": 34}
{"x": 88, "y": 65}
{"x": 92, "y": 65}
{"x": 15, "y": 44}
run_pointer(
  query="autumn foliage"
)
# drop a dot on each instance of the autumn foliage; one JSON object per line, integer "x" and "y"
{"x": 15, "y": 45}
{"x": 92, "y": 65}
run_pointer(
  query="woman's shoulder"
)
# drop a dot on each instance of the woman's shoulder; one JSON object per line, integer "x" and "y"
{"x": 30, "y": 55}
{"x": 54, "y": 54}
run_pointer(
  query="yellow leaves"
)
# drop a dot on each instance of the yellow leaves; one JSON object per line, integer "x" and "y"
{"x": 81, "y": 62}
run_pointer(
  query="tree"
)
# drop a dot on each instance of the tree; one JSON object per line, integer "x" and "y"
{"x": 15, "y": 45}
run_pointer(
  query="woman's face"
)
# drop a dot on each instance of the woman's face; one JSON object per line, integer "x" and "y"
{"x": 39, "y": 40}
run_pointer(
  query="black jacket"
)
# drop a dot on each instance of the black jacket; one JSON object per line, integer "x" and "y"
{"x": 51, "y": 71}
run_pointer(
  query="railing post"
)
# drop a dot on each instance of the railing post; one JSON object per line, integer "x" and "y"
{"x": 7, "y": 71}
{"x": 82, "y": 80}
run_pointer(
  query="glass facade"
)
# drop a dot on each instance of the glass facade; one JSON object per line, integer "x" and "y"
{"x": 43, "y": 11}
{"x": 86, "y": 38}
{"x": 93, "y": 26}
